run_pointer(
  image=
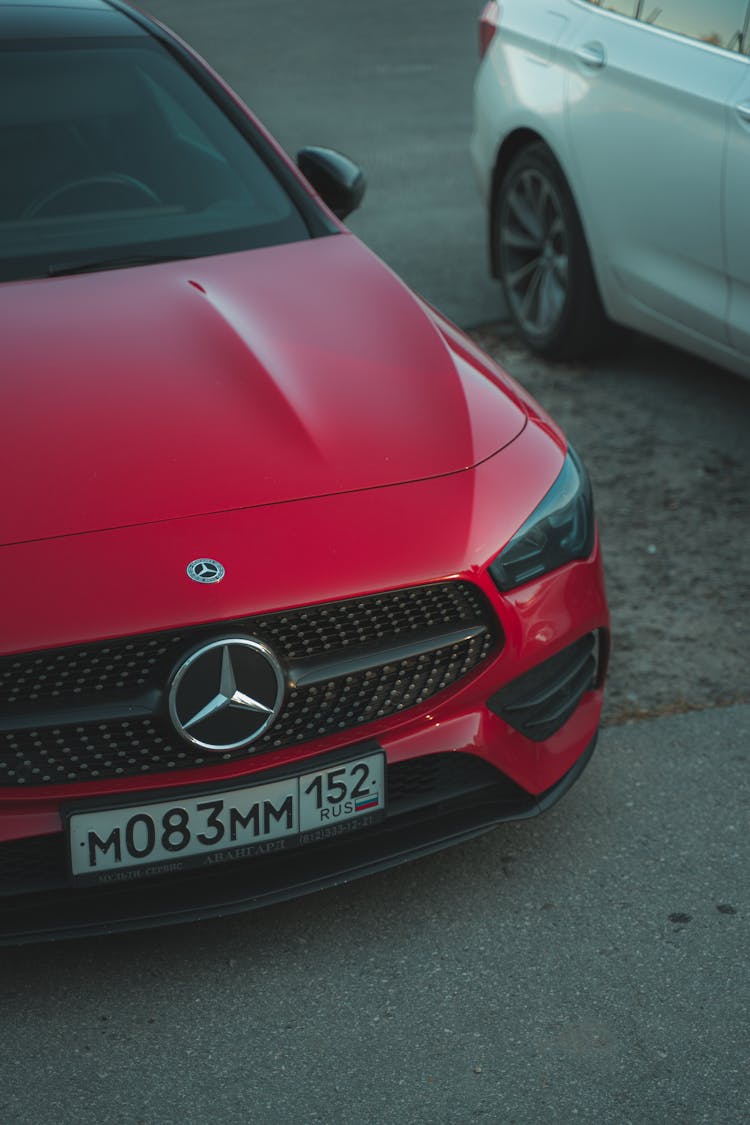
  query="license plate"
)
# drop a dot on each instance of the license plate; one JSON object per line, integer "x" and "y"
{"x": 156, "y": 837}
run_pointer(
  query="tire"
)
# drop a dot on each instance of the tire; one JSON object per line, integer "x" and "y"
{"x": 543, "y": 261}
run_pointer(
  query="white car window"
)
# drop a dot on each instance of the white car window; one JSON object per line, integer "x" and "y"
{"x": 718, "y": 22}
{"x": 621, "y": 7}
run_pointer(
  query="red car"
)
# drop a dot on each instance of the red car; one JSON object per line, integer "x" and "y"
{"x": 297, "y": 584}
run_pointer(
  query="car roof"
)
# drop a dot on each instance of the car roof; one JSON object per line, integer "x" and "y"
{"x": 62, "y": 19}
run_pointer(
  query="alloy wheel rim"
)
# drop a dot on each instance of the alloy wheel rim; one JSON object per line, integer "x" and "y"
{"x": 534, "y": 252}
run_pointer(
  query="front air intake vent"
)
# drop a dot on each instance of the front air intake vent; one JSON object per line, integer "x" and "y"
{"x": 541, "y": 701}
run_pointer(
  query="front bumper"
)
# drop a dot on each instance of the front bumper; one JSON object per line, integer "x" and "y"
{"x": 452, "y": 801}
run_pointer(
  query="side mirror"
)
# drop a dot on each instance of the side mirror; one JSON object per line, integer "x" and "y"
{"x": 339, "y": 182}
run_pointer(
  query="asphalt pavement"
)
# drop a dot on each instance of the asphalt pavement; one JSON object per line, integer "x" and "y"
{"x": 390, "y": 85}
{"x": 587, "y": 966}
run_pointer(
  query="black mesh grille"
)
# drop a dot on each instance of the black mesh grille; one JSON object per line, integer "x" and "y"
{"x": 99, "y": 711}
{"x": 32, "y": 864}
{"x": 70, "y": 674}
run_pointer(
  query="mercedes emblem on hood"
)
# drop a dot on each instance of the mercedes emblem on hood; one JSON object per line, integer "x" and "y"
{"x": 205, "y": 570}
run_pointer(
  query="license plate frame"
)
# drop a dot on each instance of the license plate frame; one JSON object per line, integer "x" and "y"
{"x": 137, "y": 839}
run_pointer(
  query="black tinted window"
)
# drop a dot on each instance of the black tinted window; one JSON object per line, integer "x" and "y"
{"x": 719, "y": 22}
{"x": 117, "y": 150}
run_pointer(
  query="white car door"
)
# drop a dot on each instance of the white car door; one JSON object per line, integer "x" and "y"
{"x": 647, "y": 121}
{"x": 737, "y": 213}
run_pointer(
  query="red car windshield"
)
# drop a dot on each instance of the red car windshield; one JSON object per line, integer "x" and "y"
{"x": 113, "y": 154}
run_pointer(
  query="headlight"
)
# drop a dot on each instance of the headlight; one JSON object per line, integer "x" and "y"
{"x": 560, "y": 529}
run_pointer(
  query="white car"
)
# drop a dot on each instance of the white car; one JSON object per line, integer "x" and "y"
{"x": 612, "y": 145}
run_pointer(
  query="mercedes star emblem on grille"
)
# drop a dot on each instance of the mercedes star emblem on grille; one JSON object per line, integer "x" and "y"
{"x": 205, "y": 570}
{"x": 225, "y": 695}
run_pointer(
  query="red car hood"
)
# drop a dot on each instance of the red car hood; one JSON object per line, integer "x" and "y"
{"x": 222, "y": 383}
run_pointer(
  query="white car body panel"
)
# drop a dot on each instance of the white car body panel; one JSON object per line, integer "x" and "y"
{"x": 645, "y": 125}
{"x": 737, "y": 216}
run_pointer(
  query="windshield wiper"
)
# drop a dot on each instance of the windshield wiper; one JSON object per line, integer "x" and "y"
{"x": 93, "y": 265}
